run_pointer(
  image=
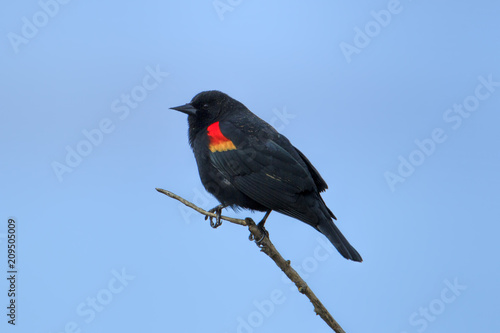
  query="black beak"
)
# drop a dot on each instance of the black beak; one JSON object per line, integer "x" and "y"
{"x": 186, "y": 108}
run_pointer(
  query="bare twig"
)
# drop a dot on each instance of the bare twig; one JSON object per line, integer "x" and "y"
{"x": 268, "y": 248}
{"x": 198, "y": 209}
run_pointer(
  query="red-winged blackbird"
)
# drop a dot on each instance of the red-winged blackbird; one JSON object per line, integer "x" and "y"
{"x": 245, "y": 163}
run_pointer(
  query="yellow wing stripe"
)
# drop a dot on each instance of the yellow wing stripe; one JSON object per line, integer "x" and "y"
{"x": 221, "y": 146}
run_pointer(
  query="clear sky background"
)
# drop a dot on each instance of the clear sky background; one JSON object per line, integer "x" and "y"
{"x": 397, "y": 104}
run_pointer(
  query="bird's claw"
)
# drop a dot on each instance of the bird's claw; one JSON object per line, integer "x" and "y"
{"x": 264, "y": 232}
{"x": 218, "y": 211}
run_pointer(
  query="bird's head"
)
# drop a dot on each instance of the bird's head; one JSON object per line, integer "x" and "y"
{"x": 207, "y": 107}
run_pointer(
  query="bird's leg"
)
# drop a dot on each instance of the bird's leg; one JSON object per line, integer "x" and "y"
{"x": 261, "y": 227}
{"x": 218, "y": 211}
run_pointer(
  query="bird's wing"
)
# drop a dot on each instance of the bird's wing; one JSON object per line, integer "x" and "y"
{"x": 318, "y": 180}
{"x": 262, "y": 169}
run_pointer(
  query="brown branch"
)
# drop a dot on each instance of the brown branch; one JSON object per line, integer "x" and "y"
{"x": 268, "y": 248}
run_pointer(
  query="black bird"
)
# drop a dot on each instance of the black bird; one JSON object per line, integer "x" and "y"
{"x": 244, "y": 162}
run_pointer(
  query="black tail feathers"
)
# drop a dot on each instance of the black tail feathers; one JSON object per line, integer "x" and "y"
{"x": 330, "y": 230}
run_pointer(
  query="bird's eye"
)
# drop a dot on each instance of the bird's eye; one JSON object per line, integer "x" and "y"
{"x": 205, "y": 106}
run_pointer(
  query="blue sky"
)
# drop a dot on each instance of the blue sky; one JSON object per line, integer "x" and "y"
{"x": 395, "y": 102}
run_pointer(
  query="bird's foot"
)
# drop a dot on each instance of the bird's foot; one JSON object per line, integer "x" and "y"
{"x": 262, "y": 229}
{"x": 264, "y": 233}
{"x": 218, "y": 211}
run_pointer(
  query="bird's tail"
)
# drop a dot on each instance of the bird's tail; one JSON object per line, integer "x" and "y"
{"x": 330, "y": 230}
{"x": 313, "y": 211}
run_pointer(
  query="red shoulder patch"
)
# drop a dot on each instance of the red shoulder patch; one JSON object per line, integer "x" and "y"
{"x": 218, "y": 142}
